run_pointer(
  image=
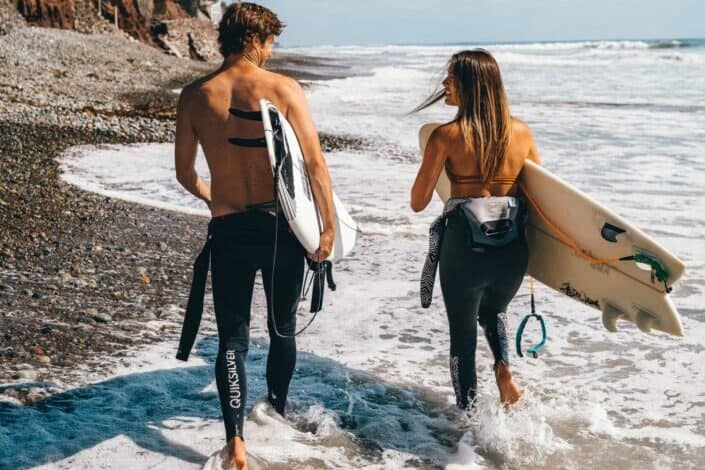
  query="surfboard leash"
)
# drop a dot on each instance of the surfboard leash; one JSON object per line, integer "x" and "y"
{"x": 322, "y": 270}
{"x": 274, "y": 263}
{"x": 533, "y": 350}
{"x": 658, "y": 271}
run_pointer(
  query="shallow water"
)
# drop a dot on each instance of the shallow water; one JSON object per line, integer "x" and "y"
{"x": 623, "y": 121}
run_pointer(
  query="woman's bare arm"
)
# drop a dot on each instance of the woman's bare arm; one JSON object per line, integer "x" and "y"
{"x": 434, "y": 159}
{"x": 533, "y": 151}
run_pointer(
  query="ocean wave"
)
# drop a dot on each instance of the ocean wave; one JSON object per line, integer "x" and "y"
{"x": 675, "y": 44}
{"x": 547, "y": 46}
{"x": 572, "y": 45}
{"x": 606, "y": 45}
{"x": 657, "y": 107}
{"x": 422, "y": 49}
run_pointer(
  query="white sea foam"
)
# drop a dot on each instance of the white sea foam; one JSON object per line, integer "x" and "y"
{"x": 145, "y": 176}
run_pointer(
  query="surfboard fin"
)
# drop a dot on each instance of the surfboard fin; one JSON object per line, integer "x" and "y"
{"x": 645, "y": 320}
{"x": 610, "y": 315}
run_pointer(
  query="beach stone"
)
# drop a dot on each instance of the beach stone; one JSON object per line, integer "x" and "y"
{"x": 12, "y": 394}
{"x": 27, "y": 374}
{"x": 58, "y": 384}
{"x": 102, "y": 317}
{"x": 44, "y": 360}
{"x": 46, "y": 329}
{"x": 150, "y": 315}
{"x": 36, "y": 394}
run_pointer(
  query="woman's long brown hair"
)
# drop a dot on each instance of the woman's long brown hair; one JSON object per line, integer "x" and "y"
{"x": 483, "y": 108}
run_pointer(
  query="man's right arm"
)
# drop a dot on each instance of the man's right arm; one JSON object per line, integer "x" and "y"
{"x": 300, "y": 119}
{"x": 185, "y": 147}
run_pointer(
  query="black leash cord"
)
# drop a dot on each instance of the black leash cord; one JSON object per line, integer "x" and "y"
{"x": 274, "y": 262}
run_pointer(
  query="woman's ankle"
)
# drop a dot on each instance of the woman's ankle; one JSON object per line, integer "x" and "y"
{"x": 501, "y": 370}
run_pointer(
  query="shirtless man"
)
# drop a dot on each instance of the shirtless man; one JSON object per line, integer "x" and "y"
{"x": 220, "y": 111}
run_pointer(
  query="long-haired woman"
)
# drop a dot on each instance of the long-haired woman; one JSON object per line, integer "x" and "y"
{"x": 482, "y": 150}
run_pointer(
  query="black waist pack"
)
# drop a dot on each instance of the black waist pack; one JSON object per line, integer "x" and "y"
{"x": 494, "y": 221}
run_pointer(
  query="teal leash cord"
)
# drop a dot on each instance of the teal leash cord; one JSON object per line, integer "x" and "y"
{"x": 533, "y": 350}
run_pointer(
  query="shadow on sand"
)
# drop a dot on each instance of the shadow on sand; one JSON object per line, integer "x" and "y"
{"x": 379, "y": 415}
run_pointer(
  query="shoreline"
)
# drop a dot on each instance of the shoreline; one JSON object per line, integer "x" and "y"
{"x": 81, "y": 273}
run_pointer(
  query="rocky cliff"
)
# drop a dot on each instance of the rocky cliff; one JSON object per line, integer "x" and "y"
{"x": 50, "y": 13}
{"x": 132, "y": 20}
{"x": 178, "y": 26}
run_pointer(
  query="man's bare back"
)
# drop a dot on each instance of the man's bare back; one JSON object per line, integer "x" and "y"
{"x": 240, "y": 176}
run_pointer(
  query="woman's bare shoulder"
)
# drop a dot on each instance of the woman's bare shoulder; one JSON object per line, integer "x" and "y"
{"x": 523, "y": 140}
{"x": 445, "y": 132}
{"x": 519, "y": 127}
{"x": 521, "y": 133}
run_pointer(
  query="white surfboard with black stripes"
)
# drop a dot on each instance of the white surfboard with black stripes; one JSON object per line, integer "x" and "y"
{"x": 294, "y": 189}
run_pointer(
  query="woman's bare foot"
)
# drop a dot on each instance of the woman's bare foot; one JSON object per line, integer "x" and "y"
{"x": 509, "y": 392}
{"x": 239, "y": 453}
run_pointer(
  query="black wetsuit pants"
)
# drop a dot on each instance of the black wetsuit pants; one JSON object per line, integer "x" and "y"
{"x": 477, "y": 287}
{"x": 242, "y": 244}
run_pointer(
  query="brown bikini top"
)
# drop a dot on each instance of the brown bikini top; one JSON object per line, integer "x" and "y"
{"x": 469, "y": 179}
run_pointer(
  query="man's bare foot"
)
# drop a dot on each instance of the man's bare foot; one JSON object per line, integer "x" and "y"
{"x": 509, "y": 392}
{"x": 239, "y": 453}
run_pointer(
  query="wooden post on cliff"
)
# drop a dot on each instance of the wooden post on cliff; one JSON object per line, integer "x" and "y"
{"x": 115, "y": 11}
{"x": 100, "y": 8}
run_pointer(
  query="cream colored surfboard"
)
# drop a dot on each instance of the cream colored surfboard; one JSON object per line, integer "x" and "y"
{"x": 619, "y": 290}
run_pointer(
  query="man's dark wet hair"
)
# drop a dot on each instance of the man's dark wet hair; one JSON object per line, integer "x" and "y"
{"x": 242, "y": 22}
